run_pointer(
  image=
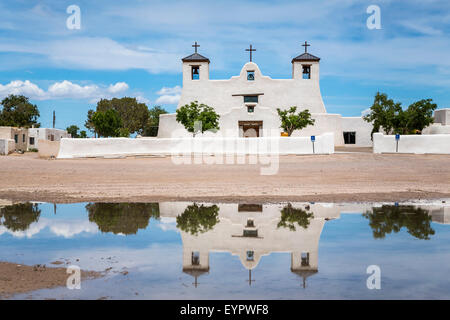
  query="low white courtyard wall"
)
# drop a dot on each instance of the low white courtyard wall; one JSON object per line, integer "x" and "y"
{"x": 48, "y": 149}
{"x": 420, "y": 144}
{"x": 7, "y": 146}
{"x": 111, "y": 147}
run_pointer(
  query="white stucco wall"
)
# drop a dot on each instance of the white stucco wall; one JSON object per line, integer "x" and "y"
{"x": 7, "y": 146}
{"x": 437, "y": 128}
{"x": 362, "y": 128}
{"x": 43, "y": 134}
{"x": 442, "y": 116}
{"x": 79, "y": 148}
{"x": 48, "y": 149}
{"x": 419, "y": 144}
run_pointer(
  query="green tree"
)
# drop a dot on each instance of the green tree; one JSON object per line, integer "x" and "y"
{"x": 388, "y": 218}
{"x": 151, "y": 128}
{"x": 19, "y": 217}
{"x": 190, "y": 114}
{"x": 384, "y": 113}
{"x": 83, "y": 134}
{"x": 291, "y": 215}
{"x": 122, "y": 218}
{"x": 73, "y": 131}
{"x": 419, "y": 115}
{"x": 290, "y": 121}
{"x": 133, "y": 114}
{"x": 89, "y": 124}
{"x": 107, "y": 123}
{"x": 17, "y": 111}
{"x": 387, "y": 115}
{"x": 197, "y": 219}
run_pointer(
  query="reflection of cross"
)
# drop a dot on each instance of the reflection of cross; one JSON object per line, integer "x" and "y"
{"x": 250, "y": 277}
{"x": 195, "y": 283}
{"x": 306, "y": 45}
{"x": 196, "y": 46}
{"x": 251, "y": 50}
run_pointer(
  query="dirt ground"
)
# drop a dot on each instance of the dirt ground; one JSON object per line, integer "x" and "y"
{"x": 17, "y": 278}
{"x": 355, "y": 176}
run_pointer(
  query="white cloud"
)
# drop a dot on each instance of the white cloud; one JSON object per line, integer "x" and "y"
{"x": 142, "y": 99}
{"x": 18, "y": 87}
{"x": 168, "y": 99}
{"x": 62, "y": 228}
{"x": 96, "y": 54}
{"x": 118, "y": 87}
{"x": 62, "y": 90}
{"x": 169, "y": 95}
{"x": 169, "y": 91}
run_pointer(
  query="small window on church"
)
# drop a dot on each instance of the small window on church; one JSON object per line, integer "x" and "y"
{"x": 250, "y": 223}
{"x": 32, "y": 140}
{"x": 195, "y": 73}
{"x": 195, "y": 260}
{"x": 250, "y": 109}
{"x": 250, "y": 99}
{"x": 250, "y": 233}
{"x": 306, "y": 72}
{"x": 350, "y": 137}
{"x": 305, "y": 259}
{"x": 250, "y": 255}
{"x": 250, "y": 75}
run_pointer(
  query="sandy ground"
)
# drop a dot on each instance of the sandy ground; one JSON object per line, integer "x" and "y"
{"x": 355, "y": 176}
{"x": 17, "y": 278}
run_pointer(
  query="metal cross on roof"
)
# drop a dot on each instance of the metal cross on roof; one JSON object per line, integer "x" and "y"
{"x": 306, "y": 45}
{"x": 196, "y": 46}
{"x": 251, "y": 50}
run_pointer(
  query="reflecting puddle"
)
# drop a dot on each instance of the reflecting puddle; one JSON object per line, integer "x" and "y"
{"x": 186, "y": 250}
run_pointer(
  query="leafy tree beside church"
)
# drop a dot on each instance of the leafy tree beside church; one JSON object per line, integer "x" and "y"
{"x": 198, "y": 118}
{"x": 291, "y": 121}
{"x": 389, "y": 116}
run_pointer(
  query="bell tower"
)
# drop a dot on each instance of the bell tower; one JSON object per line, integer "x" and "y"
{"x": 305, "y": 66}
{"x": 195, "y": 67}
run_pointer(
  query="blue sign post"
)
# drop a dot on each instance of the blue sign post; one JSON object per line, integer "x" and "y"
{"x": 397, "y": 138}
{"x": 313, "y": 139}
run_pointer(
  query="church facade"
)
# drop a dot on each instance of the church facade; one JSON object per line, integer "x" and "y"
{"x": 247, "y": 103}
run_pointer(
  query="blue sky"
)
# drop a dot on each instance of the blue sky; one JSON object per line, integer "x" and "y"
{"x": 133, "y": 48}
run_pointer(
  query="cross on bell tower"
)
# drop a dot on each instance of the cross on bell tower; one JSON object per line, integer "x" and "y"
{"x": 250, "y": 50}
{"x": 195, "y": 46}
{"x": 306, "y": 45}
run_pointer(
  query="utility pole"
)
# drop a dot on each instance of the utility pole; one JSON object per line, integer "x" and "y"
{"x": 54, "y": 119}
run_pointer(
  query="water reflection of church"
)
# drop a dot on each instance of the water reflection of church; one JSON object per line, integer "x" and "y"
{"x": 251, "y": 231}
{"x": 247, "y": 231}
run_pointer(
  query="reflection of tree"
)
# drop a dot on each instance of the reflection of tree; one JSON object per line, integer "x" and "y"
{"x": 388, "y": 218}
{"x": 125, "y": 218}
{"x": 18, "y": 217}
{"x": 291, "y": 215}
{"x": 197, "y": 219}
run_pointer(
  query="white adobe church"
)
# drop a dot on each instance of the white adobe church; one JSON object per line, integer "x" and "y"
{"x": 247, "y": 104}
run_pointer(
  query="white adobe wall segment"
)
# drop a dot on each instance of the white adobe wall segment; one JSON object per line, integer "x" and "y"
{"x": 362, "y": 128}
{"x": 104, "y": 147}
{"x": 442, "y": 116}
{"x": 418, "y": 144}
